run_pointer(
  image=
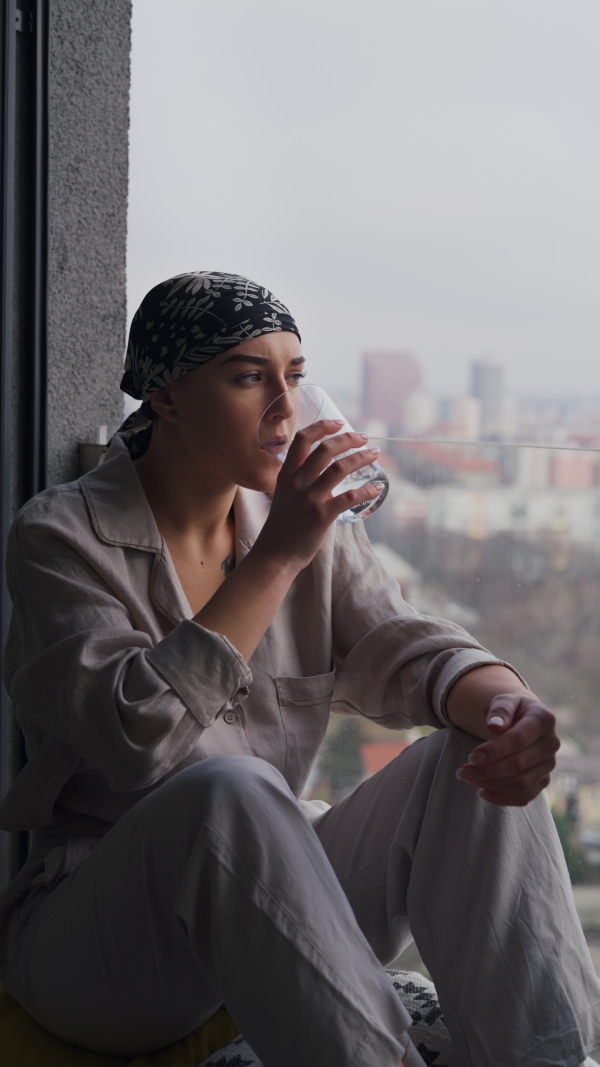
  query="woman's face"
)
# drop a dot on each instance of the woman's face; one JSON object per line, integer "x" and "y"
{"x": 219, "y": 405}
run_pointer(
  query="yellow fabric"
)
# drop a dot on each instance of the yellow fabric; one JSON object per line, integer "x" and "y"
{"x": 23, "y": 1043}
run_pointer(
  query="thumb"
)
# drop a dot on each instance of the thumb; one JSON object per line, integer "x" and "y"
{"x": 502, "y": 711}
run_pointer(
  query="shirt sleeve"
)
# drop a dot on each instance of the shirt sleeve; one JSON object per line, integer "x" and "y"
{"x": 77, "y": 668}
{"x": 393, "y": 665}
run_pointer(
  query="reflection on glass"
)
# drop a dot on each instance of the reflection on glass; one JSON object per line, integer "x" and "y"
{"x": 505, "y": 541}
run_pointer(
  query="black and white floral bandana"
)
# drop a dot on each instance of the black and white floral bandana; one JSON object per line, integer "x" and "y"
{"x": 188, "y": 320}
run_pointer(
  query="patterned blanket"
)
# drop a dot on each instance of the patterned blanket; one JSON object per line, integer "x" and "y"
{"x": 428, "y": 1033}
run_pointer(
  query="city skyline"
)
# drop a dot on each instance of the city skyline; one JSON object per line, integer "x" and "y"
{"x": 402, "y": 174}
{"x": 394, "y": 399}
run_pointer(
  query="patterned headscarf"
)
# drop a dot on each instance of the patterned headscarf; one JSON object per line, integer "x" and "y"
{"x": 190, "y": 319}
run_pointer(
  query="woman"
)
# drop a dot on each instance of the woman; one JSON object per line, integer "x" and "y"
{"x": 190, "y": 598}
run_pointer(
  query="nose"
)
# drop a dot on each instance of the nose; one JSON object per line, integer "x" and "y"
{"x": 282, "y": 408}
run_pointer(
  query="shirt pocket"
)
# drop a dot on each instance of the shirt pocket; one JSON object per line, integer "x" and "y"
{"x": 304, "y": 706}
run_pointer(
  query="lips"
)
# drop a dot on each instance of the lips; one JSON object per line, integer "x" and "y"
{"x": 275, "y": 446}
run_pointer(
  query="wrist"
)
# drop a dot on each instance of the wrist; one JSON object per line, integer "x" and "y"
{"x": 274, "y": 566}
{"x": 468, "y": 701}
{"x": 275, "y": 560}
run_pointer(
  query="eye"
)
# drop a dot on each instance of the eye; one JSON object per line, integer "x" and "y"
{"x": 297, "y": 377}
{"x": 251, "y": 378}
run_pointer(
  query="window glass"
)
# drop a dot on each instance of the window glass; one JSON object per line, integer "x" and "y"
{"x": 418, "y": 180}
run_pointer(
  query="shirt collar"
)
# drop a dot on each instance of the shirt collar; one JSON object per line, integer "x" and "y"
{"x": 122, "y": 516}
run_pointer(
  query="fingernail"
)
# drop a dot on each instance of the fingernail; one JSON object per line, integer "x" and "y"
{"x": 477, "y": 757}
{"x": 340, "y": 422}
{"x": 374, "y": 451}
{"x": 364, "y": 436}
{"x": 460, "y": 775}
{"x": 378, "y": 486}
{"x": 495, "y": 721}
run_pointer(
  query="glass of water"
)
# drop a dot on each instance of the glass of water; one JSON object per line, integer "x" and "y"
{"x": 275, "y": 434}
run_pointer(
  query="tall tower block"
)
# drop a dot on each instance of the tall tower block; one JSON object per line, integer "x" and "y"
{"x": 487, "y": 385}
{"x": 389, "y": 378}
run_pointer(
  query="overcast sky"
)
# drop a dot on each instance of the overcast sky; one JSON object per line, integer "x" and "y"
{"x": 413, "y": 174}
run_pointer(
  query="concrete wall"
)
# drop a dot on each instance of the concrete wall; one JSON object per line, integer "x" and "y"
{"x": 89, "y": 119}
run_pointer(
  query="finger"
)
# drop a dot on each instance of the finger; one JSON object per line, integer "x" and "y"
{"x": 353, "y": 498}
{"x": 502, "y": 710}
{"x": 537, "y": 721}
{"x": 324, "y": 456}
{"x": 511, "y": 800}
{"x": 341, "y": 468}
{"x": 523, "y": 782}
{"x": 543, "y": 750}
{"x": 303, "y": 440}
{"x": 302, "y": 452}
{"x": 496, "y": 724}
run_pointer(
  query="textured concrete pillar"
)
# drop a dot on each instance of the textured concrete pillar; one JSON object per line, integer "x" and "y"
{"x": 89, "y": 119}
{"x": 89, "y": 71}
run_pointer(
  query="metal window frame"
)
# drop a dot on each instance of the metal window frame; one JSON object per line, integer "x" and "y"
{"x": 32, "y": 20}
{"x": 7, "y": 193}
{"x": 37, "y": 343}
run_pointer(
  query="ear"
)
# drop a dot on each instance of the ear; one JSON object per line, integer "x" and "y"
{"x": 163, "y": 403}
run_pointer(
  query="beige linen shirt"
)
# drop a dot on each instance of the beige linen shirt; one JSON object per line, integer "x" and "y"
{"x": 116, "y": 688}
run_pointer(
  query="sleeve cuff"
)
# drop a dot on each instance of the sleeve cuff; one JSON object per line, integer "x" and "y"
{"x": 463, "y": 661}
{"x": 204, "y": 669}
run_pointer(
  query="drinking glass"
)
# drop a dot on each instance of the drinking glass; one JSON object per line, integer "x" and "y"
{"x": 275, "y": 436}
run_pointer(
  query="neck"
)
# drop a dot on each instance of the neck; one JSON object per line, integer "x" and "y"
{"x": 186, "y": 500}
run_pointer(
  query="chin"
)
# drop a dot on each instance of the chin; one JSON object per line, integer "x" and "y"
{"x": 260, "y": 476}
{"x": 259, "y": 481}
{"x": 260, "y": 485}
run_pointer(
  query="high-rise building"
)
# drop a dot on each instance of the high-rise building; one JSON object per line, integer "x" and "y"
{"x": 389, "y": 378}
{"x": 487, "y": 385}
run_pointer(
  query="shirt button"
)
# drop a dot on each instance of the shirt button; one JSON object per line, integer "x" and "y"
{"x": 230, "y": 717}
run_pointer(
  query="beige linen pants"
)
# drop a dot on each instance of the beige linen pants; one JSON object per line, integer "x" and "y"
{"x": 215, "y": 888}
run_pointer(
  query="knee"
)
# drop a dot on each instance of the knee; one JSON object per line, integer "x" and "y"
{"x": 456, "y": 744}
{"x": 449, "y": 747}
{"x": 229, "y": 780}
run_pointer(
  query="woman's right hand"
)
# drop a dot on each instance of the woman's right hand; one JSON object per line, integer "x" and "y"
{"x": 303, "y": 506}
{"x": 302, "y": 511}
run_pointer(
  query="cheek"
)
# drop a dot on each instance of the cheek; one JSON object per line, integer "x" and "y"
{"x": 226, "y": 440}
{"x": 220, "y": 427}
{"x": 210, "y": 429}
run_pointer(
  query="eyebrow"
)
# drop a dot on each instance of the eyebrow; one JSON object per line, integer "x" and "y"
{"x": 259, "y": 361}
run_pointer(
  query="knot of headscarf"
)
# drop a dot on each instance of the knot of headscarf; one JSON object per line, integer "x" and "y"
{"x": 188, "y": 320}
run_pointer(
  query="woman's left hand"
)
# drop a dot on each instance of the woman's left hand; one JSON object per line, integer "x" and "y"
{"x": 514, "y": 767}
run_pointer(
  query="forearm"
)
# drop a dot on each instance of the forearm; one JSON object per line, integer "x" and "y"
{"x": 245, "y": 604}
{"x": 470, "y": 697}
